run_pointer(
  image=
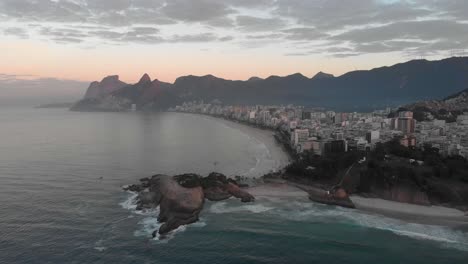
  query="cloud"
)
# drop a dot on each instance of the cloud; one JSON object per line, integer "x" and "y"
{"x": 423, "y": 30}
{"x": 13, "y": 77}
{"x": 304, "y": 26}
{"x": 250, "y": 23}
{"x": 304, "y": 34}
{"x": 44, "y": 10}
{"x": 16, "y": 31}
{"x": 62, "y": 32}
{"x": 338, "y": 14}
{"x": 270, "y": 36}
{"x": 25, "y": 89}
{"x": 145, "y": 35}
{"x": 438, "y": 35}
{"x": 456, "y": 9}
{"x": 195, "y": 11}
{"x": 204, "y": 37}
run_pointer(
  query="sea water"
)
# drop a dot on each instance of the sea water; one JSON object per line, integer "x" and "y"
{"x": 61, "y": 199}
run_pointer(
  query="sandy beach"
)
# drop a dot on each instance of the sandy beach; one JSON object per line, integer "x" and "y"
{"x": 280, "y": 190}
{"x": 431, "y": 215}
{"x": 434, "y": 215}
{"x": 266, "y": 137}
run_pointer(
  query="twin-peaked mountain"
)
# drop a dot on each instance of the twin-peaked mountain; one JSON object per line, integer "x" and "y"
{"x": 111, "y": 94}
{"x": 358, "y": 90}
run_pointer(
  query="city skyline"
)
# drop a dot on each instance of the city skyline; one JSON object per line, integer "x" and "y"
{"x": 84, "y": 40}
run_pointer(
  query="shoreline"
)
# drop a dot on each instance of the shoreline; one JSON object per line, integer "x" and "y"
{"x": 435, "y": 215}
{"x": 428, "y": 215}
{"x": 263, "y": 136}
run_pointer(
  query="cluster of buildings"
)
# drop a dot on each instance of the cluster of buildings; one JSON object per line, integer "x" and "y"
{"x": 323, "y": 132}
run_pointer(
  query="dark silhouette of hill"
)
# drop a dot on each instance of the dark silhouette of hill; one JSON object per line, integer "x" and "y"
{"x": 396, "y": 85}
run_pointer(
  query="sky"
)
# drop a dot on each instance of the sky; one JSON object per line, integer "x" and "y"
{"x": 85, "y": 40}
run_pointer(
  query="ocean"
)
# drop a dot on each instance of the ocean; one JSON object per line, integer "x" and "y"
{"x": 61, "y": 200}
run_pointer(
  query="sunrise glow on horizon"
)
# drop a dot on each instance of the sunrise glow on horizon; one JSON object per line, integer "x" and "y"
{"x": 87, "y": 40}
{"x": 36, "y": 59}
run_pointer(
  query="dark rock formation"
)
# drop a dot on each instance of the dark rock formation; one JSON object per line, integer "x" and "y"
{"x": 181, "y": 198}
{"x": 115, "y": 96}
{"x": 107, "y": 86}
{"x": 335, "y": 196}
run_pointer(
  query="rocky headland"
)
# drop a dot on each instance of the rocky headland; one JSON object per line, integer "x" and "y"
{"x": 181, "y": 198}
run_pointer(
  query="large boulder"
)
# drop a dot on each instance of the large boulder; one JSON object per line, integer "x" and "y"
{"x": 180, "y": 198}
{"x": 218, "y": 187}
{"x": 178, "y": 205}
{"x": 239, "y": 193}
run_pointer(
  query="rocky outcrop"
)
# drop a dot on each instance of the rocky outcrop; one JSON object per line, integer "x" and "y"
{"x": 99, "y": 96}
{"x": 218, "y": 187}
{"x": 107, "y": 86}
{"x": 335, "y": 196}
{"x": 181, "y": 198}
{"x": 113, "y": 95}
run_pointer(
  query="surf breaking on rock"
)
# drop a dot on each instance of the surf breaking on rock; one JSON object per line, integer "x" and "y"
{"x": 181, "y": 198}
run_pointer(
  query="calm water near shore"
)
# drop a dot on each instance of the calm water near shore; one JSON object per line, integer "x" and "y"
{"x": 61, "y": 201}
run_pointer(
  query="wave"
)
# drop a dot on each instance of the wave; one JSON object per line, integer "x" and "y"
{"x": 99, "y": 246}
{"x": 444, "y": 235}
{"x": 131, "y": 202}
{"x": 149, "y": 224}
{"x": 223, "y": 207}
{"x": 261, "y": 153}
{"x": 304, "y": 211}
{"x": 264, "y": 161}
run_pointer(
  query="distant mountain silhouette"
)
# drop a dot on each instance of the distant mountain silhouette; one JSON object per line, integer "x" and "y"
{"x": 399, "y": 84}
{"x": 119, "y": 96}
{"x": 254, "y": 79}
{"x": 323, "y": 75}
{"x": 107, "y": 86}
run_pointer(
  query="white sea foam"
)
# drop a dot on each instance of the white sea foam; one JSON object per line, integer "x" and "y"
{"x": 100, "y": 249}
{"x": 307, "y": 211}
{"x": 150, "y": 224}
{"x": 445, "y": 235}
{"x": 264, "y": 161}
{"x": 223, "y": 207}
{"x": 260, "y": 148}
{"x": 99, "y": 246}
{"x": 147, "y": 226}
{"x": 130, "y": 202}
{"x": 304, "y": 211}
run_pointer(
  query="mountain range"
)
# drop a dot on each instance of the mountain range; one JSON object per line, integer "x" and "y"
{"x": 400, "y": 84}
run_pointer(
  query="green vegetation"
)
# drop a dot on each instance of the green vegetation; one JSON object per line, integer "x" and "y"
{"x": 390, "y": 171}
